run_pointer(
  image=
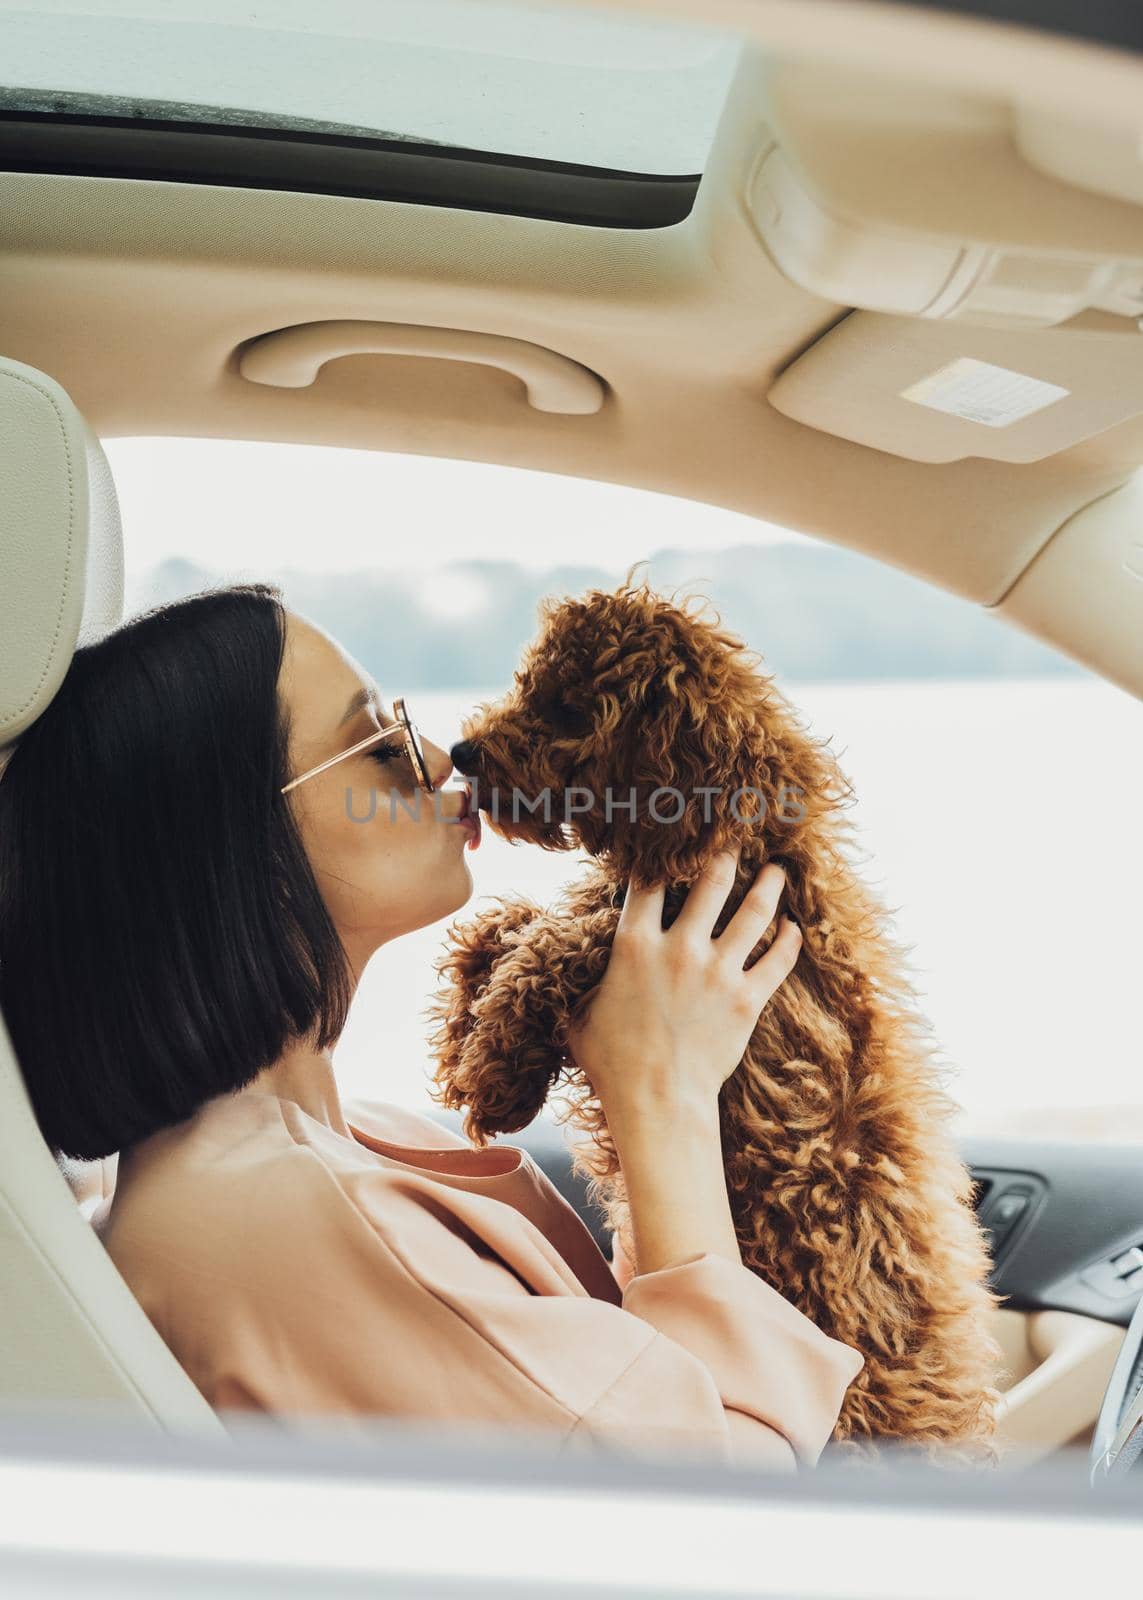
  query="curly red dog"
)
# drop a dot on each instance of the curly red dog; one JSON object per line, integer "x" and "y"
{"x": 846, "y": 1190}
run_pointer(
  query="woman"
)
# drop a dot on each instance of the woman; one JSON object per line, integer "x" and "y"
{"x": 194, "y": 874}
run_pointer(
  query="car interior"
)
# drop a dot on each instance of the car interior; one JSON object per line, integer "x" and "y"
{"x": 884, "y": 287}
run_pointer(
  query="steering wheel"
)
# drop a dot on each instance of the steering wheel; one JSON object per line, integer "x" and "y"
{"x": 1117, "y": 1443}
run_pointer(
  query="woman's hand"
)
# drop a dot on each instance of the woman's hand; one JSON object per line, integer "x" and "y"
{"x": 670, "y": 1021}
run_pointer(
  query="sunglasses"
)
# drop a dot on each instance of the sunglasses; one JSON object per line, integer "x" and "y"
{"x": 413, "y": 748}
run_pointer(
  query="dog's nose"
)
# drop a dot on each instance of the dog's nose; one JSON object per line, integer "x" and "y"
{"x": 463, "y": 755}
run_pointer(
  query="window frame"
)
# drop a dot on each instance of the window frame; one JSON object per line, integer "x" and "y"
{"x": 87, "y": 142}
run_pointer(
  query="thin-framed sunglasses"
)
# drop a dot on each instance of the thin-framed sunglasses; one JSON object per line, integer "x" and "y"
{"x": 413, "y": 748}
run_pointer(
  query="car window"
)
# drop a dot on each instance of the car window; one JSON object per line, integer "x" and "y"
{"x": 641, "y": 95}
{"x": 997, "y": 783}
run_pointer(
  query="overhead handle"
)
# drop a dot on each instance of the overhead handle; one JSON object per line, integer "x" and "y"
{"x": 291, "y": 358}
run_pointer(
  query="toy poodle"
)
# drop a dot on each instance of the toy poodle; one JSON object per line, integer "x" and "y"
{"x": 845, "y": 1186}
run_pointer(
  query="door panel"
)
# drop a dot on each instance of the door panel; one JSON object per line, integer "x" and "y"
{"x": 1066, "y": 1223}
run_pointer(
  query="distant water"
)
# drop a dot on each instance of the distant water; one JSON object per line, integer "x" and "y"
{"x": 1002, "y": 821}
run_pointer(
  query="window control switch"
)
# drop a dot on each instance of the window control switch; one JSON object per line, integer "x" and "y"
{"x": 1128, "y": 1262}
{"x": 1008, "y": 1207}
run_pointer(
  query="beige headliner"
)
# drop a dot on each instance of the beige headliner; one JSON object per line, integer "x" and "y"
{"x": 135, "y": 296}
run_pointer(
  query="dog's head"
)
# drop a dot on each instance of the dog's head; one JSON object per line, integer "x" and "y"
{"x": 644, "y": 732}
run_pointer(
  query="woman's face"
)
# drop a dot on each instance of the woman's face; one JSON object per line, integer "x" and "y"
{"x": 388, "y": 857}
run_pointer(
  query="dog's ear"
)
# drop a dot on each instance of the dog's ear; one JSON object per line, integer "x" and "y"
{"x": 692, "y": 729}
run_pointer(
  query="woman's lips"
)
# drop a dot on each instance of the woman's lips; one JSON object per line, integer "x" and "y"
{"x": 470, "y": 820}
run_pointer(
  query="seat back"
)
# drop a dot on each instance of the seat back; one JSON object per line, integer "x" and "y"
{"x": 72, "y": 1336}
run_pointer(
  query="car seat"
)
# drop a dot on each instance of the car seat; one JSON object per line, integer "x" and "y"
{"x": 72, "y": 1337}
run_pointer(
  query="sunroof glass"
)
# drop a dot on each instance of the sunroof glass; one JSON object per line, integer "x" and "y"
{"x": 552, "y": 84}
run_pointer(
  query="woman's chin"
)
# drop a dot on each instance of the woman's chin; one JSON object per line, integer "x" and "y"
{"x": 461, "y": 883}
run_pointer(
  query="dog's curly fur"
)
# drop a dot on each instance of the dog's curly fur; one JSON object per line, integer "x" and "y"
{"x": 846, "y": 1190}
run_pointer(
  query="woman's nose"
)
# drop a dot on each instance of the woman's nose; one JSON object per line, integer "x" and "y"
{"x": 438, "y": 762}
{"x": 463, "y": 755}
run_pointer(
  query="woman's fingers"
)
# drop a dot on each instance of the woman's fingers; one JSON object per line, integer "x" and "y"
{"x": 754, "y": 915}
{"x": 708, "y": 894}
{"x": 641, "y": 912}
{"x": 771, "y": 970}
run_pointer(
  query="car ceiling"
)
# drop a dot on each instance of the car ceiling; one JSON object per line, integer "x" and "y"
{"x": 140, "y": 296}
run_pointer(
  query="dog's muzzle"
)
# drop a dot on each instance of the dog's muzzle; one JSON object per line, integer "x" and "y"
{"x": 463, "y": 755}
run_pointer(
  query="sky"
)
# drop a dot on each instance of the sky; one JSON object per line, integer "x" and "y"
{"x": 222, "y": 502}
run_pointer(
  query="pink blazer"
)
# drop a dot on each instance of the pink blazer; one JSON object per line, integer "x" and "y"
{"x": 406, "y": 1274}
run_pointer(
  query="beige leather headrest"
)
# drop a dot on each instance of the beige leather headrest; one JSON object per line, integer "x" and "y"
{"x": 61, "y": 546}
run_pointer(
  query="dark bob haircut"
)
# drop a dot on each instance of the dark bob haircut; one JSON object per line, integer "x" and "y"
{"x": 162, "y": 936}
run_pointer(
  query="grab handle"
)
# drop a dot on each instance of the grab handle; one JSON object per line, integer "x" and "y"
{"x": 291, "y": 358}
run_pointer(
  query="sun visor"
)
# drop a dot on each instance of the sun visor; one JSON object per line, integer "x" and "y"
{"x": 933, "y": 391}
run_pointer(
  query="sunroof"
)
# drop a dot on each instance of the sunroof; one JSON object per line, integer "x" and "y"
{"x": 536, "y": 82}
